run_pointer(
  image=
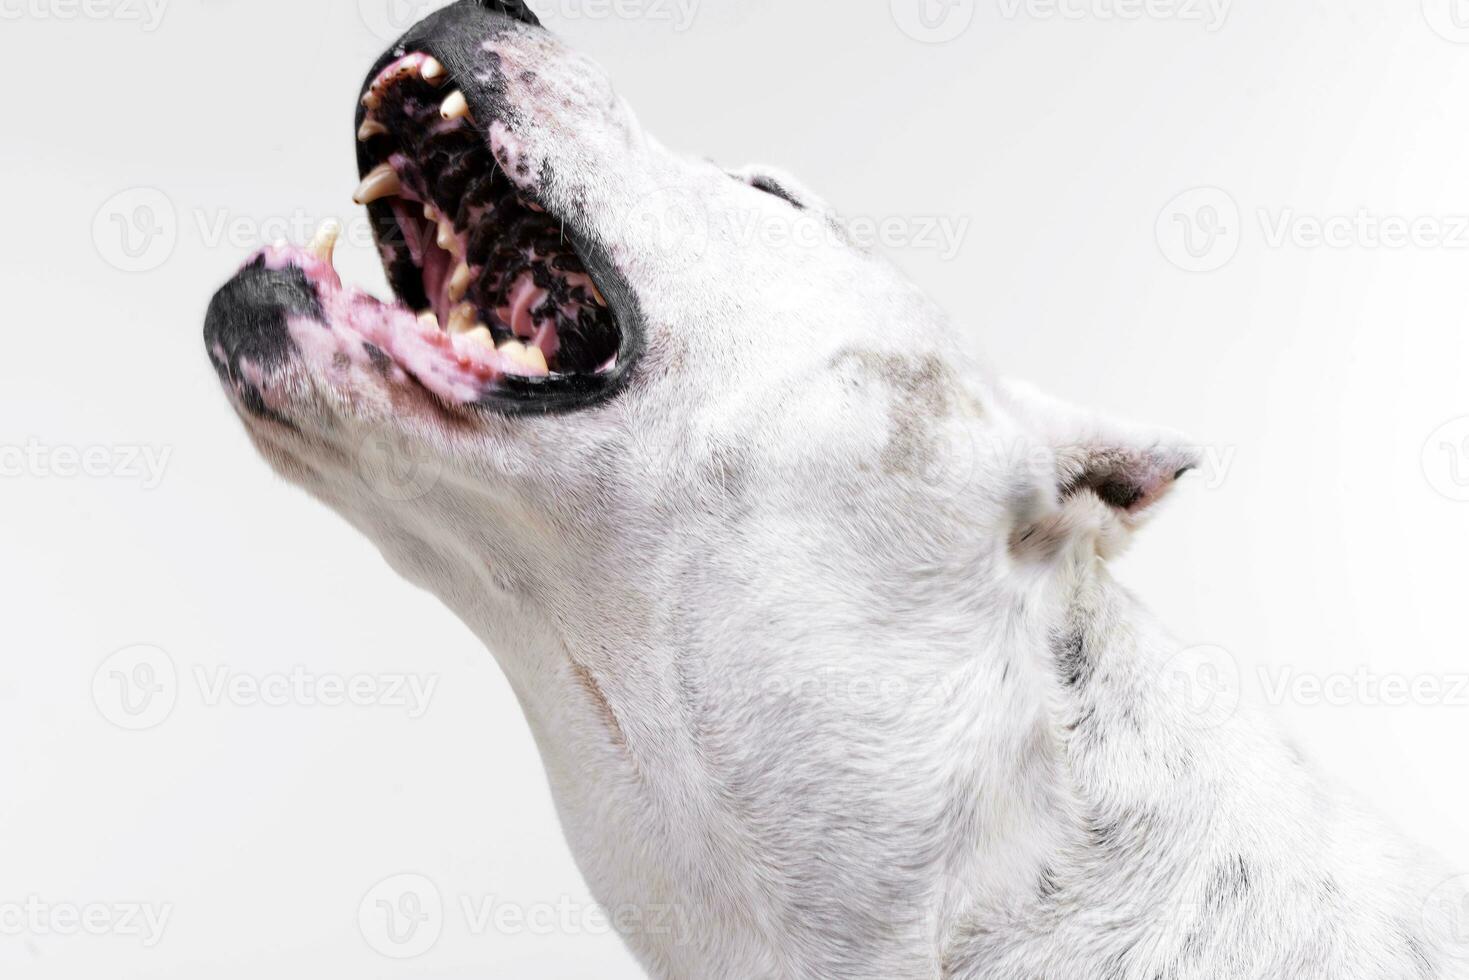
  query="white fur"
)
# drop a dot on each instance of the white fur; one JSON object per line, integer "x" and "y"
{"x": 790, "y": 621}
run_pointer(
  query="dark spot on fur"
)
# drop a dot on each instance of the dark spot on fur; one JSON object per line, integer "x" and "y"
{"x": 1074, "y": 660}
{"x": 1085, "y": 724}
{"x": 380, "y": 360}
{"x": 920, "y": 392}
{"x": 254, "y": 403}
{"x": 1049, "y": 885}
{"x": 1230, "y": 884}
{"x": 1103, "y": 833}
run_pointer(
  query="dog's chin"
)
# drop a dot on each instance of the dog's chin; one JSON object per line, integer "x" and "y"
{"x": 500, "y": 303}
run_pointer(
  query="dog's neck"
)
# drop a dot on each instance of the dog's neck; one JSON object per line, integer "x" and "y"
{"x": 871, "y": 800}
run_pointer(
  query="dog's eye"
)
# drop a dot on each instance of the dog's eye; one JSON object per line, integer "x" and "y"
{"x": 773, "y": 187}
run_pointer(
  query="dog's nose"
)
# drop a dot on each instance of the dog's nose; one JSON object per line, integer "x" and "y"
{"x": 246, "y": 322}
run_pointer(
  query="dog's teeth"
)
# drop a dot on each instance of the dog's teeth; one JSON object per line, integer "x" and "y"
{"x": 530, "y": 358}
{"x": 429, "y": 319}
{"x": 433, "y": 71}
{"x": 597, "y": 295}
{"x": 448, "y": 239}
{"x": 463, "y": 319}
{"x": 382, "y": 182}
{"x": 324, "y": 243}
{"x": 456, "y": 106}
{"x": 459, "y": 284}
{"x": 369, "y": 129}
{"x": 481, "y": 335}
{"x": 372, "y": 99}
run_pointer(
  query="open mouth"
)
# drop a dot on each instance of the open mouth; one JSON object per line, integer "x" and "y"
{"x": 500, "y": 302}
{"x": 466, "y": 246}
{"x": 471, "y": 251}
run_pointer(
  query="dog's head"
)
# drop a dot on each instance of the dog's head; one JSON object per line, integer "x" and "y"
{"x": 617, "y": 380}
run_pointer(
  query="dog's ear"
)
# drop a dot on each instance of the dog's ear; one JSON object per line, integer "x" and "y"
{"x": 1109, "y": 476}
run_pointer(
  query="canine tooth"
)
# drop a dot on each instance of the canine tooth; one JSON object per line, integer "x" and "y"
{"x": 456, "y": 106}
{"x": 382, "y": 182}
{"x": 463, "y": 319}
{"x": 597, "y": 295}
{"x": 429, "y": 319}
{"x": 324, "y": 242}
{"x": 433, "y": 70}
{"x": 447, "y": 237}
{"x": 459, "y": 283}
{"x": 369, "y": 129}
{"x": 527, "y": 357}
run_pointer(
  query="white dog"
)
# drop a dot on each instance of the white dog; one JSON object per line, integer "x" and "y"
{"x": 810, "y": 615}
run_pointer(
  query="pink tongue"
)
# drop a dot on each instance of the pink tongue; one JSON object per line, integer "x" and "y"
{"x": 524, "y": 297}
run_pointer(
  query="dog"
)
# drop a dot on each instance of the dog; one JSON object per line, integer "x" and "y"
{"x": 809, "y": 611}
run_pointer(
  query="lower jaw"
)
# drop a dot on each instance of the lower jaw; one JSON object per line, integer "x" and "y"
{"x": 384, "y": 337}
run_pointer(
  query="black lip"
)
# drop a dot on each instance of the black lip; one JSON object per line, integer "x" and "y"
{"x": 455, "y": 36}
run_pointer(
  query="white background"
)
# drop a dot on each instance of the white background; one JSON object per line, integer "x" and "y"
{"x": 1331, "y": 543}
